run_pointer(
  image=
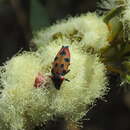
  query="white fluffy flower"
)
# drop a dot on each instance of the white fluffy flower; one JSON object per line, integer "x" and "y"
{"x": 23, "y": 105}
{"x": 88, "y": 31}
{"x": 87, "y": 80}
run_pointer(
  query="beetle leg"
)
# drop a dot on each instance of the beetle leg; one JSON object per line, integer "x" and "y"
{"x": 67, "y": 80}
{"x": 67, "y": 71}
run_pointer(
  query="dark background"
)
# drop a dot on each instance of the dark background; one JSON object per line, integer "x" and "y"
{"x": 18, "y": 18}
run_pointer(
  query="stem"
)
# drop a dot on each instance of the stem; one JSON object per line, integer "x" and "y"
{"x": 113, "y": 69}
{"x": 112, "y": 13}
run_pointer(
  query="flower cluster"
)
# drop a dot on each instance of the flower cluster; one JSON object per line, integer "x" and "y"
{"x": 88, "y": 31}
{"x": 26, "y": 102}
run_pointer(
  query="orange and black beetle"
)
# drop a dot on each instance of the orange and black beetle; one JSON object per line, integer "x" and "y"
{"x": 60, "y": 66}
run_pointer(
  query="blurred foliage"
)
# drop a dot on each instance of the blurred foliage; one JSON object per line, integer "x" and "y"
{"x": 39, "y": 17}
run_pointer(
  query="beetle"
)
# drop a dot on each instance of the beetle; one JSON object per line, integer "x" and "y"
{"x": 60, "y": 66}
